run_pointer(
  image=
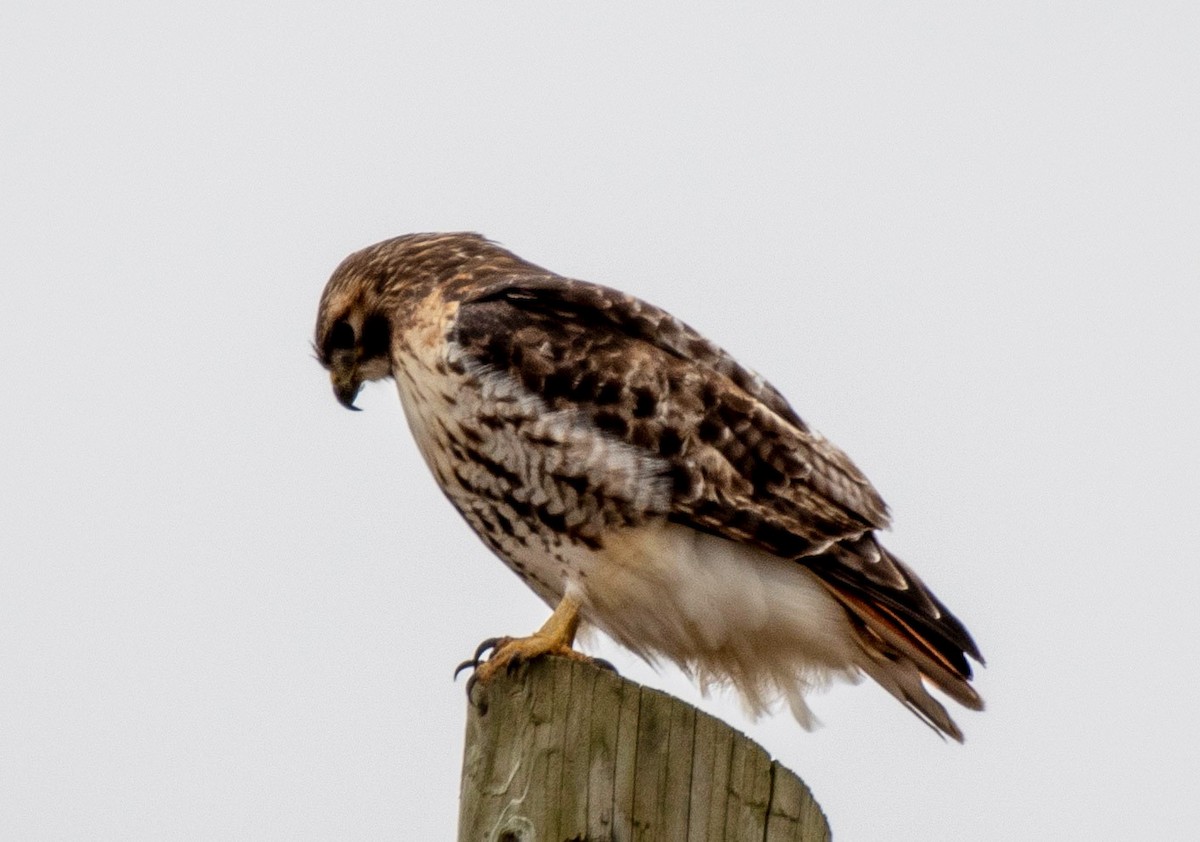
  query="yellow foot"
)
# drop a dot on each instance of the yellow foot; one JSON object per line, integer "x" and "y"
{"x": 554, "y": 638}
{"x": 508, "y": 653}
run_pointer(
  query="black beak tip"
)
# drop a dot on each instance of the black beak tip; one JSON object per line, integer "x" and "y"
{"x": 346, "y": 398}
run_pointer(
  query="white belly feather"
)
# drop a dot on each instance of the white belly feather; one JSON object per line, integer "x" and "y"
{"x": 726, "y": 613}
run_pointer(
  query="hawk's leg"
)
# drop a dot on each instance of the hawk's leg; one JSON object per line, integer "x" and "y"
{"x": 554, "y": 638}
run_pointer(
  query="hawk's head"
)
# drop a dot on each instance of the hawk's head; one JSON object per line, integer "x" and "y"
{"x": 354, "y": 325}
{"x": 383, "y": 283}
{"x": 354, "y": 346}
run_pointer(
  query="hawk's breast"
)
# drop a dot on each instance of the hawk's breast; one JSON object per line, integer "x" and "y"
{"x": 543, "y": 489}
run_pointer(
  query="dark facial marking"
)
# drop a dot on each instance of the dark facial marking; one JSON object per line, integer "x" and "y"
{"x": 340, "y": 338}
{"x": 376, "y": 336}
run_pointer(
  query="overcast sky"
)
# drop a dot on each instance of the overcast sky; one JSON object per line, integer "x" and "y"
{"x": 963, "y": 239}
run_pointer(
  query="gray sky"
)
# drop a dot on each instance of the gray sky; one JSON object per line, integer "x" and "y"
{"x": 962, "y": 238}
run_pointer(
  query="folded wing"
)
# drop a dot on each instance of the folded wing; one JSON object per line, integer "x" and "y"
{"x": 742, "y": 464}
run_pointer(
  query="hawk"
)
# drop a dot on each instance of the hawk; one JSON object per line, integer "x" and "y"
{"x": 639, "y": 479}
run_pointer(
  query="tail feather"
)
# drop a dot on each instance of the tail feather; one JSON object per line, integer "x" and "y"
{"x": 906, "y": 635}
{"x": 902, "y": 679}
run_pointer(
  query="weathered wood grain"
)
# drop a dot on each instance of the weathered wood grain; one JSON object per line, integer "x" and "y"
{"x": 565, "y": 752}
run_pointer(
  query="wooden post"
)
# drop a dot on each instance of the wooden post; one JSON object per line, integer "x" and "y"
{"x": 566, "y": 752}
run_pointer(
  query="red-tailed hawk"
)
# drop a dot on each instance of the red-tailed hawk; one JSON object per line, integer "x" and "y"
{"x": 639, "y": 479}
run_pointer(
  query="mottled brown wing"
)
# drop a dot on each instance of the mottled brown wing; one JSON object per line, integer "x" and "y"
{"x": 743, "y": 465}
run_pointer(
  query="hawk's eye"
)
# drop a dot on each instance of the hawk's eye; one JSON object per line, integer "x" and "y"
{"x": 341, "y": 337}
{"x": 376, "y": 337}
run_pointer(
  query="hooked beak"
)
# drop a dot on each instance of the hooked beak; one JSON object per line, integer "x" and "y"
{"x": 346, "y": 385}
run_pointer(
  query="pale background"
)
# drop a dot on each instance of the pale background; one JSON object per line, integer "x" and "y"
{"x": 963, "y": 238}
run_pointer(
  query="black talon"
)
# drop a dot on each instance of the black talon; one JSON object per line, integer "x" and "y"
{"x": 474, "y": 661}
{"x": 490, "y": 643}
